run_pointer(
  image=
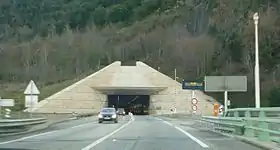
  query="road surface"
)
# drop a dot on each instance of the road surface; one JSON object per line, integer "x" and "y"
{"x": 142, "y": 133}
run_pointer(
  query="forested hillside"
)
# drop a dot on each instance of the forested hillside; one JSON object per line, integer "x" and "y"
{"x": 54, "y": 41}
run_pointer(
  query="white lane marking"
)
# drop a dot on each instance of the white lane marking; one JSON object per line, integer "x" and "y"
{"x": 158, "y": 119}
{"x": 188, "y": 134}
{"x": 192, "y": 137}
{"x": 81, "y": 125}
{"x": 73, "y": 118}
{"x": 41, "y": 134}
{"x": 167, "y": 123}
{"x": 107, "y": 136}
{"x": 28, "y": 137}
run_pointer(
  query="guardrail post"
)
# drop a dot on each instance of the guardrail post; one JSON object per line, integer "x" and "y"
{"x": 263, "y": 135}
{"x": 236, "y": 114}
{"x": 249, "y": 132}
{"x": 237, "y": 129}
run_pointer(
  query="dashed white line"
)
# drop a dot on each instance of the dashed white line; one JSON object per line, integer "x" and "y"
{"x": 107, "y": 136}
{"x": 81, "y": 125}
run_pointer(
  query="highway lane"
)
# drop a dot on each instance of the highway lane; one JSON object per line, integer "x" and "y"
{"x": 70, "y": 138}
{"x": 147, "y": 133}
{"x": 144, "y": 133}
{"x": 56, "y": 126}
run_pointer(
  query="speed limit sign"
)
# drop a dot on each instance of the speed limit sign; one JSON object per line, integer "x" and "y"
{"x": 194, "y": 107}
{"x": 194, "y": 101}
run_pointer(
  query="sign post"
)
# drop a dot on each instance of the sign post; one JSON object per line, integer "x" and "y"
{"x": 0, "y": 110}
{"x": 31, "y": 96}
{"x": 226, "y": 100}
{"x": 193, "y": 86}
{"x": 225, "y": 84}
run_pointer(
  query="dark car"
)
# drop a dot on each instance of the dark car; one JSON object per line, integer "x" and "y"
{"x": 121, "y": 111}
{"x": 108, "y": 114}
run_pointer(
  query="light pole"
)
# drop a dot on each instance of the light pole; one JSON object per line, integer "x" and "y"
{"x": 118, "y": 101}
{"x": 175, "y": 74}
{"x": 257, "y": 72}
{"x": 175, "y": 89}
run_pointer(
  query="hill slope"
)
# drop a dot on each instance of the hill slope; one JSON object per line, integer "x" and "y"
{"x": 51, "y": 41}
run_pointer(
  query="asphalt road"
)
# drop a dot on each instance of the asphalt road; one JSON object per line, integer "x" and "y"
{"x": 142, "y": 133}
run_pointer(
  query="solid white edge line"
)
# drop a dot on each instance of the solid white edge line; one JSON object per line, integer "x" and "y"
{"x": 168, "y": 123}
{"x": 107, "y": 136}
{"x": 158, "y": 119}
{"x": 188, "y": 134}
{"x": 27, "y": 137}
{"x": 40, "y": 134}
{"x": 192, "y": 137}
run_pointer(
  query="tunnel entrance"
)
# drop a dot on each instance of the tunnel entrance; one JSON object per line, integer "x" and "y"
{"x": 137, "y": 104}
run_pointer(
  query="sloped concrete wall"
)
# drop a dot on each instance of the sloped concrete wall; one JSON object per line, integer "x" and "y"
{"x": 174, "y": 96}
{"x": 79, "y": 97}
{"x": 130, "y": 76}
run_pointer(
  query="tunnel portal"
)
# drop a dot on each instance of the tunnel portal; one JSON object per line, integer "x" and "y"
{"x": 137, "y": 104}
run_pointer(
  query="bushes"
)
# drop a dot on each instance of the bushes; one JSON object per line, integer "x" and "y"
{"x": 274, "y": 97}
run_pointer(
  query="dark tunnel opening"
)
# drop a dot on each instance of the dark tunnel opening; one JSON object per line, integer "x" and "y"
{"x": 137, "y": 104}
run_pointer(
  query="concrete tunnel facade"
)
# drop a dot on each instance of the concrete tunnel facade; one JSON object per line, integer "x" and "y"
{"x": 91, "y": 93}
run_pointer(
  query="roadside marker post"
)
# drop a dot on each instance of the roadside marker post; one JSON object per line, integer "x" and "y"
{"x": 31, "y": 96}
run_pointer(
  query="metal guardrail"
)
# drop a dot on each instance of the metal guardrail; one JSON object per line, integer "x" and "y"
{"x": 86, "y": 115}
{"x": 260, "y": 123}
{"x": 19, "y": 123}
{"x": 21, "y": 115}
{"x": 225, "y": 124}
{"x": 254, "y": 112}
{"x": 9, "y": 126}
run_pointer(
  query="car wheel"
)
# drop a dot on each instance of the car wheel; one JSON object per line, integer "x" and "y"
{"x": 116, "y": 121}
{"x": 99, "y": 121}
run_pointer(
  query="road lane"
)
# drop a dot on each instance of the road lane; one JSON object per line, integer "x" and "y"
{"x": 144, "y": 133}
{"x": 54, "y": 127}
{"x": 72, "y": 138}
{"x": 147, "y": 133}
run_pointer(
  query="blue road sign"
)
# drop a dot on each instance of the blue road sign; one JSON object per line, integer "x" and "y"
{"x": 192, "y": 85}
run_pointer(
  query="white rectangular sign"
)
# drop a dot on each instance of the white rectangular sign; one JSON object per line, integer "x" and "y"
{"x": 7, "y": 102}
{"x": 225, "y": 83}
{"x": 31, "y": 100}
{"x": 228, "y": 102}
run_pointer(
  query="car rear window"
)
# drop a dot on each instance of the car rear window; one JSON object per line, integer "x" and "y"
{"x": 121, "y": 110}
{"x": 108, "y": 110}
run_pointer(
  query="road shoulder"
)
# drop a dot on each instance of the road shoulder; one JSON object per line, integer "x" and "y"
{"x": 216, "y": 140}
